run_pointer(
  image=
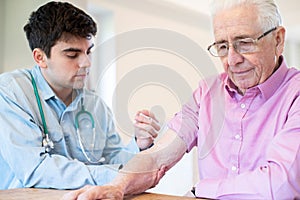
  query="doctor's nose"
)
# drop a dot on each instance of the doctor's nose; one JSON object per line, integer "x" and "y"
{"x": 85, "y": 62}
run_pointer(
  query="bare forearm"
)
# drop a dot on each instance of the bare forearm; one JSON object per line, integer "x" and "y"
{"x": 135, "y": 183}
{"x": 147, "y": 168}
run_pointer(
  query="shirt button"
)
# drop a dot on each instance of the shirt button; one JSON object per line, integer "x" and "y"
{"x": 237, "y": 136}
{"x": 243, "y": 105}
{"x": 233, "y": 168}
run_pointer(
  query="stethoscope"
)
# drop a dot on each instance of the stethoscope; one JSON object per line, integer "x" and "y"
{"x": 46, "y": 142}
{"x": 82, "y": 116}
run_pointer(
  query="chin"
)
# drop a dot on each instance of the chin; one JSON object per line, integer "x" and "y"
{"x": 79, "y": 85}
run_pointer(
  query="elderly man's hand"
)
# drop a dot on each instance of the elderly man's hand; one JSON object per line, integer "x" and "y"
{"x": 146, "y": 128}
{"x": 89, "y": 192}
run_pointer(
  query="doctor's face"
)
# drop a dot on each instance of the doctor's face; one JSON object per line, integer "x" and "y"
{"x": 68, "y": 66}
{"x": 245, "y": 70}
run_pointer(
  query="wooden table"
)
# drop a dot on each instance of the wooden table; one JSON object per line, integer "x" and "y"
{"x": 50, "y": 194}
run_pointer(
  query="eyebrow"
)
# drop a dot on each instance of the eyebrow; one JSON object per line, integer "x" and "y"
{"x": 242, "y": 37}
{"x": 235, "y": 38}
{"x": 71, "y": 49}
{"x": 220, "y": 42}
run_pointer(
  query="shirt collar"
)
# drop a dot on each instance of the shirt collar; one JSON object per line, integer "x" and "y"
{"x": 45, "y": 90}
{"x": 268, "y": 87}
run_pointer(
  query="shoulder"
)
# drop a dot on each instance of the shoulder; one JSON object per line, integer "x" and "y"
{"x": 292, "y": 79}
{"x": 14, "y": 76}
{"x": 214, "y": 82}
{"x": 16, "y": 89}
{"x": 15, "y": 81}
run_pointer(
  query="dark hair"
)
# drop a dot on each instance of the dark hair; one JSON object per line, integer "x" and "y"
{"x": 48, "y": 24}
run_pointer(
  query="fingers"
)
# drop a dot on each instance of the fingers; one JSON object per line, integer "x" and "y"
{"x": 145, "y": 131}
{"x": 147, "y": 124}
{"x": 147, "y": 113}
{"x": 102, "y": 192}
{"x": 73, "y": 195}
{"x": 159, "y": 174}
{"x": 70, "y": 195}
{"x": 95, "y": 192}
{"x": 147, "y": 119}
{"x": 147, "y": 128}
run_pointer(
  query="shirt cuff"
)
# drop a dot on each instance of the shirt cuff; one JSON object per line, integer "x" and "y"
{"x": 207, "y": 188}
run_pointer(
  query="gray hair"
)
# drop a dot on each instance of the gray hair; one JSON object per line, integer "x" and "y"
{"x": 268, "y": 12}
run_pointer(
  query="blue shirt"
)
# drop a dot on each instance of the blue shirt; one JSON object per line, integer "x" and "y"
{"x": 23, "y": 161}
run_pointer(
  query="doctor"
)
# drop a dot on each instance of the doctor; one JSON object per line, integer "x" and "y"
{"x": 55, "y": 133}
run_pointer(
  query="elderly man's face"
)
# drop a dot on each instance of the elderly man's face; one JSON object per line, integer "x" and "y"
{"x": 251, "y": 69}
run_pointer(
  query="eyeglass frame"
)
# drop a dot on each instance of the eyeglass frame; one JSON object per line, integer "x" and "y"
{"x": 254, "y": 41}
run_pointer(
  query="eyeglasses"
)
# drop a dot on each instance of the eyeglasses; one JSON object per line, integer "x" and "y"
{"x": 242, "y": 46}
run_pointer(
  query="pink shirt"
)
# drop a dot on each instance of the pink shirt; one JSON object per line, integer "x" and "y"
{"x": 248, "y": 146}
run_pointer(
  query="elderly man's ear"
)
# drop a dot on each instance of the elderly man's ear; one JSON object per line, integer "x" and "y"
{"x": 280, "y": 38}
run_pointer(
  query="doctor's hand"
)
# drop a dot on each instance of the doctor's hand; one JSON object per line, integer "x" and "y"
{"x": 111, "y": 192}
{"x": 146, "y": 129}
{"x": 90, "y": 192}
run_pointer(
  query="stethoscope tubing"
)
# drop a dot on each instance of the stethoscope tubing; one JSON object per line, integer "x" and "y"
{"x": 46, "y": 142}
{"x": 37, "y": 96}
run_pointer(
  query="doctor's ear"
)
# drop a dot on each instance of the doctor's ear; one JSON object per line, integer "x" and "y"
{"x": 280, "y": 38}
{"x": 40, "y": 57}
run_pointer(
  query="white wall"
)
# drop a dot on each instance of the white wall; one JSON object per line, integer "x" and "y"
{"x": 15, "y": 48}
{"x": 2, "y": 15}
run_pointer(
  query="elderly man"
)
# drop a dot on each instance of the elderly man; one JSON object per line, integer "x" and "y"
{"x": 245, "y": 122}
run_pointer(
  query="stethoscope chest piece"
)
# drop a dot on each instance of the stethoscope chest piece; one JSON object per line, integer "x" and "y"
{"x": 47, "y": 143}
{"x": 84, "y": 119}
{"x": 84, "y": 123}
